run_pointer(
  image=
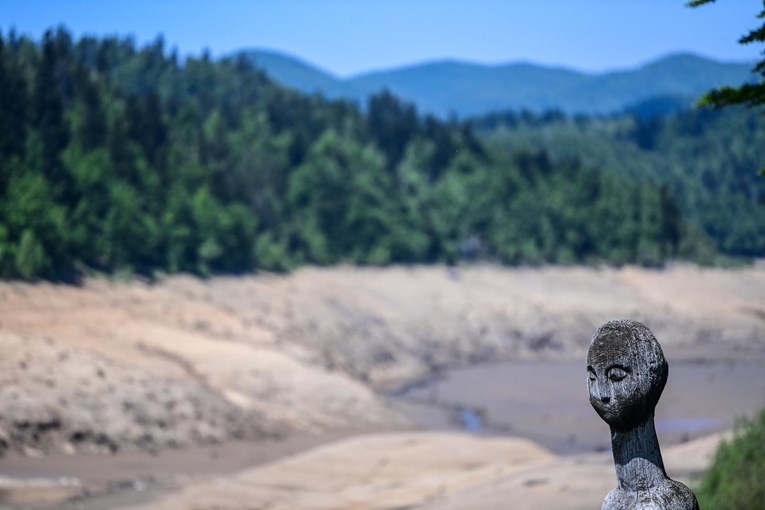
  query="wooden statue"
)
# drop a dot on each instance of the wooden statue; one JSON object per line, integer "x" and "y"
{"x": 627, "y": 373}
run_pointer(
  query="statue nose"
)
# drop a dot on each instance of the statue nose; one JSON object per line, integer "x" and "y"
{"x": 601, "y": 393}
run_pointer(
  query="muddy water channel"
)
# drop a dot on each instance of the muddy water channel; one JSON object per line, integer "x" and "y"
{"x": 547, "y": 401}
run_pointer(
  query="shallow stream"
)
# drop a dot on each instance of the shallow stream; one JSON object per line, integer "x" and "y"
{"x": 547, "y": 401}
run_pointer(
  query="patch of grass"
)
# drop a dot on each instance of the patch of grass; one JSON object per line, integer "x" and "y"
{"x": 736, "y": 478}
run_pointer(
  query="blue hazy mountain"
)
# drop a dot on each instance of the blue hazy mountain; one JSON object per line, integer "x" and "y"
{"x": 294, "y": 72}
{"x": 466, "y": 88}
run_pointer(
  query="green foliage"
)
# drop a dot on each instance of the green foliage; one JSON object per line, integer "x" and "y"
{"x": 702, "y": 161}
{"x": 271, "y": 254}
{"x": 31, "y": 259}
{"x": 125, "y": 160}
{"x": 751, "y": 94}
{"x": 735, "y": 478}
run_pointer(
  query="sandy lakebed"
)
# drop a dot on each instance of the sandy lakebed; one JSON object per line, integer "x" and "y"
{"x": 348, "y": 388}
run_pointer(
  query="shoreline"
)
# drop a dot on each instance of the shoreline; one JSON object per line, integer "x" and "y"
{"x": 195, "y": 364}
{"x": 91, "y": 481}
{"x": 481, "y": 399}
{"x": 84, "y": 480}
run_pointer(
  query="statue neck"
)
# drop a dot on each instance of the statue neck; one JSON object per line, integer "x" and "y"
{"x": 637, "y": 457}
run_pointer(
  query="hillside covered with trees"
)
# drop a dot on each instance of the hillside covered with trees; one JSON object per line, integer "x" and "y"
{"x": 707, "y": 160}
{"x": 120, "y": 158}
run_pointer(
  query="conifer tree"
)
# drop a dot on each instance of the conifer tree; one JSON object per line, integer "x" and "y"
{"x": 751, "y": 94}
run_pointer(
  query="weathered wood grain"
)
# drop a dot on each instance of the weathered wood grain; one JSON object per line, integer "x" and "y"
{"x": 627, "y": 374}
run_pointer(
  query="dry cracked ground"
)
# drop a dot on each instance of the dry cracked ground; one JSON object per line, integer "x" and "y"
{"x": 112, "y": 368}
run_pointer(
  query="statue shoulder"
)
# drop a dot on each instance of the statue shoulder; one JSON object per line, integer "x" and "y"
{"x": 618, "y": 499}
{"x": 681, "y": 496}
{"x": 671, "y": 495}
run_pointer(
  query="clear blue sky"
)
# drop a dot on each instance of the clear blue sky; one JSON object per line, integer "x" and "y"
{"x": 351, "y": 36}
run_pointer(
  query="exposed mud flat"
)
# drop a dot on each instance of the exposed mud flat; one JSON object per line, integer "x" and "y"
{"x": 701, "y": 398}
{"x": 113, "y": 368}
{"x": 424, "y": 471}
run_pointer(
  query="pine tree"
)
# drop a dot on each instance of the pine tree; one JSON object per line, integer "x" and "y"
{"x": 751, "y": 94}
{"x": 13, "y": 101}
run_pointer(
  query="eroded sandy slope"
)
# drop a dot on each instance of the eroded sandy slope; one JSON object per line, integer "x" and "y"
{"x": 181, "y": 361}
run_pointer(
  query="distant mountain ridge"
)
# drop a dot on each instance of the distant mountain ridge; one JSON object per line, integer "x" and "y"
{"x": 463, "y": 88}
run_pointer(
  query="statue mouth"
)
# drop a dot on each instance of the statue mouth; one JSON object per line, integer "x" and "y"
{"x": 606, "y": 411}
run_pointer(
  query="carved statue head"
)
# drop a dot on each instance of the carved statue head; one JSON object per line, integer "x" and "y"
{"x": 627, "y": 373}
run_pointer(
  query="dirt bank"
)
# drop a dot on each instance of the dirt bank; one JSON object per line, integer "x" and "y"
{"x": 388, "y": 326}
{"x": 132, "y": 367}
{"x": 109, "y": 366}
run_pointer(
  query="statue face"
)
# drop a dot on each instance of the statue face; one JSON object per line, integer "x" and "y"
{"x": 626, "y": 374}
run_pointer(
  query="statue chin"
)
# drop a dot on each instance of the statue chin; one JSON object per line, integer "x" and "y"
{"x": 617, "y": 417}
{"x": 608, "y": 415}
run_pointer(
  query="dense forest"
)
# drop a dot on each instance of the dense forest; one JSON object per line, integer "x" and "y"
{"x": 707, "y": 159}
{"x": 118, "y": 158}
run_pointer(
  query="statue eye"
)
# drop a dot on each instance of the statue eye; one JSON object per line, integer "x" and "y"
{"x": 617, "y": 374}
